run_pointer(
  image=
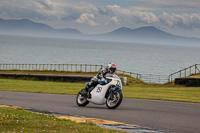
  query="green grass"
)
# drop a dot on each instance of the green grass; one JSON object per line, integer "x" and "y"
{"x": 15, "y": 120}
{"x": 183, "y": 94}
{"x": 197, "y": 75}
{"x": 40, "y": 86}
{"x": 137, "y": 90}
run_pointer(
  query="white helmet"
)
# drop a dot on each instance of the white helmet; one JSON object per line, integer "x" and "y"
{"x": 111, "y": 67}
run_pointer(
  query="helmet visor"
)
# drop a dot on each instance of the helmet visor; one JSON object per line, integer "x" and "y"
{"x": 112, "y": 70}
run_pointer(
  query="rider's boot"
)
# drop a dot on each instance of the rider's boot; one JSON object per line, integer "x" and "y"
{"x": 84, "y": 91}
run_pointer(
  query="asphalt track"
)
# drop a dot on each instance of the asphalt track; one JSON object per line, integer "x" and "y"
{"x": 162, "y": 115}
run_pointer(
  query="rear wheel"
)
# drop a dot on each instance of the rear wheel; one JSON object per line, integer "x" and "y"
{"x": 115, "y": 101}
{"x": 81, "y": 100}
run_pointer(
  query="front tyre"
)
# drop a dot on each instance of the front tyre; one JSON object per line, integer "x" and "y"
{"x": 115, "y": 101}
{"x": 81, "y": 100}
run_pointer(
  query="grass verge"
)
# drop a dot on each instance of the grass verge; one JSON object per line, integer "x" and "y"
{"x": 15, "y": 120}
{"x": 144, "y": 91}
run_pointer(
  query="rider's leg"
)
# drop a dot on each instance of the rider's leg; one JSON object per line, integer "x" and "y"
{"x": 90, "y": 86}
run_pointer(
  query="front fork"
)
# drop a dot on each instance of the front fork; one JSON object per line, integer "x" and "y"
{"x": 112, "y": 91}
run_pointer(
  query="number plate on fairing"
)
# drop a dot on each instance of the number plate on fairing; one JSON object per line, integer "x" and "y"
{"x": 99, "y": 89}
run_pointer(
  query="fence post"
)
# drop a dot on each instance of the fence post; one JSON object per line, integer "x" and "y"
{"x": 137, "y": 76}
{"x": 171, "y": 78}
{"x": 168, "y": 78}
{"x": 159, "y": 78}
{"x": 180, "y": 73}
{"x": 81, "y": 67}
{"x": 198, "y": 69}
{"x": 195, "y": 68}
{"x": 185, "y": 72}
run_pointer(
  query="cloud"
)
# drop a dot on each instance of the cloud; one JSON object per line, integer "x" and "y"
{"x": 183, "y": 5}
{"x": 183, "y": 20}
{"x": 113, "y": 20}
{"x": 87, "y": 18}
{"x": 44, "y": 9}
{"x": 129, "y": 15}
{"x": 84, "y": 12}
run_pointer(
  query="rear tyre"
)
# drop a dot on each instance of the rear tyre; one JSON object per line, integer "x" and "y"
{"x": 81, "y": 100}
{"x": 114, "y": 102}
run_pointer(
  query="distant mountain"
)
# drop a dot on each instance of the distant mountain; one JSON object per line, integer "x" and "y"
{"x": 27, "y": 27}
{"x": 147, "y": 34}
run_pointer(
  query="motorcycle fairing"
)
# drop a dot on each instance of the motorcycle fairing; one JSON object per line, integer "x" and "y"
{"x": 99, "y": 92}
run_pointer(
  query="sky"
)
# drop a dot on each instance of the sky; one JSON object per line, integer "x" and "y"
{"x": 180, "y": 17}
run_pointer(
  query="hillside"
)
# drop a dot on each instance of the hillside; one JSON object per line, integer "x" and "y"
{"x": 27, "y": 27}
{"x": 148, "y": 34}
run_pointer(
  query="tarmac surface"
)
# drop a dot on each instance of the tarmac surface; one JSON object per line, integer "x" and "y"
{"x": 166, "y": 116}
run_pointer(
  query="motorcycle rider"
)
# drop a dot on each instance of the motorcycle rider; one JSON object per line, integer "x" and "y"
{"x": 111, "y": 68}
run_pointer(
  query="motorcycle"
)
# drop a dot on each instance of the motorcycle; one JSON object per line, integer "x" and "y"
{"x": 106, "y": 92}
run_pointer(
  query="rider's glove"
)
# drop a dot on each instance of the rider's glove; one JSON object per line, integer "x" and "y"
{"x": 103, "y": 80}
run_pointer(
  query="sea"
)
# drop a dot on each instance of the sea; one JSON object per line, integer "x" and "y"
{"x": 132, "y": 57}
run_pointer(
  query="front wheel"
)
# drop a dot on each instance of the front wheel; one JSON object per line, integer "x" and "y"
{"x": 114, "y": 101}
{"x": 81, "y": 100}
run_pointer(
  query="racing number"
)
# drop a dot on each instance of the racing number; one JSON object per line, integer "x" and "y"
{"x": 99, "y": 89}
